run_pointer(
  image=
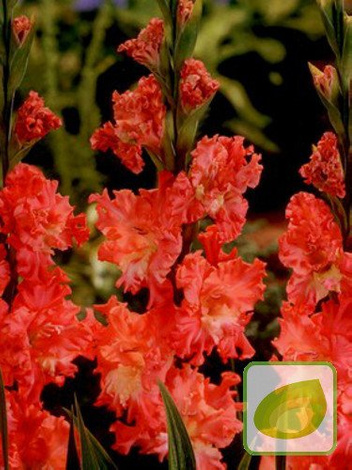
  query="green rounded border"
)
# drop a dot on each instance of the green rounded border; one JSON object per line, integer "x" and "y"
{"x": 289, "y": 363}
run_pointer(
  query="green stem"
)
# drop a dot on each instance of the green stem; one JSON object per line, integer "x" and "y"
{"x": 174, "y": 87}
{"x": 89, "y": 72}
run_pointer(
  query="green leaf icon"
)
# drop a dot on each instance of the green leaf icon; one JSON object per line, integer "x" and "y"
{"x": 292, "y": 411}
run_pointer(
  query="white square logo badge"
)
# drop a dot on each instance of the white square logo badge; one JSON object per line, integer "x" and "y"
{"x": 289, "y": 408}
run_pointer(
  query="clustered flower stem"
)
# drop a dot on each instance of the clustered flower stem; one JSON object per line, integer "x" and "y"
{"x": 337, "y": 99}
{"x": 199, "y": 301}
{"x": 317, "y": 244}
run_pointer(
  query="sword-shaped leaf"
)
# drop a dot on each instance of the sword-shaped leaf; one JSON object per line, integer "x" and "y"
{"x": 181, "y": 455}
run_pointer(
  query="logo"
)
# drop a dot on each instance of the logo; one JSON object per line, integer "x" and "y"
{"x": 289, "y": 408}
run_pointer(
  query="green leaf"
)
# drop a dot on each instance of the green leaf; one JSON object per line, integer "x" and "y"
{"x": 237, "y": 96}
{"x": 326, "y": 9}
{"x": 278, "y": 10}
{"x": 12, "y": 3}
{"x": 346, "y": 60}
{"x": 188, "y": 127}
{"x": 173, "y": 9}
{"x": 93, "y": 455}
{"x": 292, "y": 411}
{"x": 245, "y": 462}
{"x": 3, "y": 424}
{"x": 211, "y": 38}
{"x": 338, "y": 21}
{"x": 164, "y": 7}
{"x": 252, "y": 133}
{"x": 19, "y": 62}
{"x": 187, "y": 38}
{"x": 181, "y": 455}
{"x": 89, "y": 460}
{"x": 72, "y": 460}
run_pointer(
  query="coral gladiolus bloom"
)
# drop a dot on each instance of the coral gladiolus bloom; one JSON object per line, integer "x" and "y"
{"x": 145, "y": 49}
{"x": 34, "y": 120}
{"x": 222, "y": 169}
{"x": 323, "y": 336}
{"x": 37, "y": 439}
{"x": 41, "y": 336}
{"x": 138, "y": 122}
{"x": 196, "y": 85}
{"x": 312, "y": 247}
{"x": 217, "y": 300}
{"x": 37, "y": 219}
{"x": 208, "y": 412}
{"x": 324, "y": 170}
{"x": 144, "y": 232}
{"x": 131, "y": 359}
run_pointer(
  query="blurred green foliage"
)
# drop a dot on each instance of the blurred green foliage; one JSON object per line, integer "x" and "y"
{"x": 69, "y": 55}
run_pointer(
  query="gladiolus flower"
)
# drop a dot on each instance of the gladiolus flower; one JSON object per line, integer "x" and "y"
{"x": 222, "y": 169}
{"x": 207, "y": 410}
{"x": 37, "y": 219}
{"x": 21, "y": 26}
{"x": 144, "y": 232}
{"x": 139, "y": 117}
{"x": 312, "y": 247}
{"x": 196, "y": 85}
{"x": 107, "y": 138}
{"x": 300, "y": 338}
{"x": 324, "y": 170}
{"x": 34, "y": 120}
{"x": 4, "y": 269}
{"x": 303, "y": 462}
{"x": 323, "y": 336}
{"x": 37, "y": 439}
{"x": 145, "y": 49}
{"x": 326, "y": 82}
{"x": 131, "y": 359}
{"x": 216, "y": 306}
{"x": 42, "y": 335}
{"x": 140, "y": 114}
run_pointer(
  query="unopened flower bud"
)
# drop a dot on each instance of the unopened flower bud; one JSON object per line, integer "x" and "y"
{"x": 196, "y": 85}
{"x": 145, "y": 49}
{"x": 34, "y": 120}
{"x": 184, "y": 11}
{"x": 326, "y": 82}
{"x": 21, "y": 27}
